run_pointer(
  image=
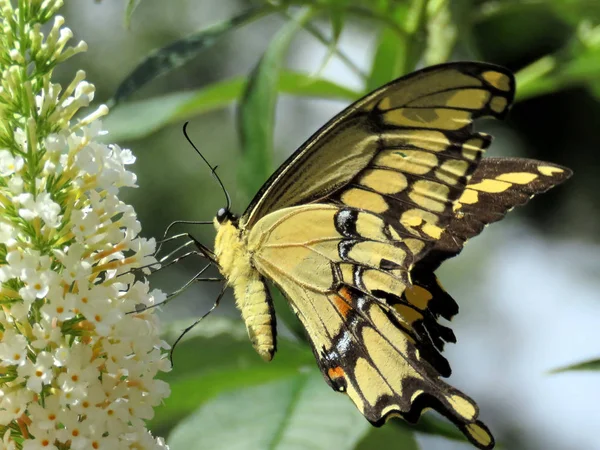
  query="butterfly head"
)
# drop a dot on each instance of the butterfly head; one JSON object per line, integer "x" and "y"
{"x": 225, "y": 215}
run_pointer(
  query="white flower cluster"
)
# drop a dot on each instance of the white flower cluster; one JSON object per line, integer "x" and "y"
{"x": 77, "y": 367}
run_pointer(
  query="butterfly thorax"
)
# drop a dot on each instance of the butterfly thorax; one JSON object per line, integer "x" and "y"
{"x": 251, "y": 294}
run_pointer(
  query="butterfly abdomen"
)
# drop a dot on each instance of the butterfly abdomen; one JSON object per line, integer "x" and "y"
{"x": 252, "y": 296}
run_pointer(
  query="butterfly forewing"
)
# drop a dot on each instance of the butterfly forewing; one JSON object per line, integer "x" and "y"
{"x": 496, "y": 187}
{"x": 427, "y": 113}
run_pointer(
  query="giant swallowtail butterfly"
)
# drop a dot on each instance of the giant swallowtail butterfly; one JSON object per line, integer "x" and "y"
{"x": 353, "y": 225}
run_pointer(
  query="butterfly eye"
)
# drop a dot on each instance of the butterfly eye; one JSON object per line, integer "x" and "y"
{"x": 222, "y": 214}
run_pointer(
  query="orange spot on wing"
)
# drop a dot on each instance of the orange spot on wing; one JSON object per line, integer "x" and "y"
{"x": 335, "y": 372}
{"x": 342, "y": 301}
{"x": 346, "y": 294}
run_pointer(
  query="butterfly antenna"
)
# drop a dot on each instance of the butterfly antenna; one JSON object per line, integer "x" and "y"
{"x": 188, "y": 329}
{"x": 213, "y": 169}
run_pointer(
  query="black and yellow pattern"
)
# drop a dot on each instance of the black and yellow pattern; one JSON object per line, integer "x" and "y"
{"x": 353, "y": 224}
{"x": 497, "y": 186}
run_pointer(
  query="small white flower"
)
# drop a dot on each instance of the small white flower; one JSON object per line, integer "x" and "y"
{"x": 45, "y": 334}
{"x": 49, "y": 168}
{"x": 56, "y": 144}
{"x": 84, "y": 93}
{"x": 43, "y": 440}
{"x": 85, "y": 223}
{"x": 15, "y": 184}
{"x": 50, "y": 415}
{"x": 102, "y": 315}
{"x": 48, "y": 210}
{"x": 76, "y": 267}
{"x": 13, "y": 348}
{"x": 7, "y": 234}
{"x": 9, "y": 164}
{"x": 37, "y": 284}
{"x": 75, "y": 430}
{"x": 43, "y": 206}
{"x": 21, "y": 139}
{"x": 13, "y": 405}
{"x": 59, "y": 308}
{"x": 39, "y": 373}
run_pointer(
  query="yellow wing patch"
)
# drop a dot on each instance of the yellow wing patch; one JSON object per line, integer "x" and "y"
{"x": 427, "y": 151}
{"x": 496, "y": 186}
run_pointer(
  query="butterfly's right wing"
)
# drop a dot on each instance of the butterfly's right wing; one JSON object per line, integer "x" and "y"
{"x": 336, "y": 265}
{"x": 496, "y": 187}
{"x": 419, "y": 125}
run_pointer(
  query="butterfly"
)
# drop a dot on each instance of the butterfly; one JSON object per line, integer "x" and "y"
{"x": 352, "y": 227}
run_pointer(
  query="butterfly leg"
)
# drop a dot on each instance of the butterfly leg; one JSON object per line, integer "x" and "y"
{"x": 214, "y": 306}
{"x": 172, "y": 295}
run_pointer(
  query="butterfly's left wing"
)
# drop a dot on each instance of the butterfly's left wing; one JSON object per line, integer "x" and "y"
{"x": 335, "y": 265}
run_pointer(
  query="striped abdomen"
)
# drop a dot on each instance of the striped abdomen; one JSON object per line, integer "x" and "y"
{"x": 251, "y": 293}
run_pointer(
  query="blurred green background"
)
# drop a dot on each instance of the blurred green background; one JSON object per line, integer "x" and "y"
{"x": 527, "y": 287}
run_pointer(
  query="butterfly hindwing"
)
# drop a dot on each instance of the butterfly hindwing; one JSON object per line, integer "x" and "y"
{"x": 378, "y": 365}
{"x": 364, "y": 346}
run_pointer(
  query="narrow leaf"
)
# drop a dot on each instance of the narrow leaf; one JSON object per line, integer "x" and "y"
{"x": 532, "y": 80}
{"x": 134, "y": 120}
{"x": 256, "y": 113}
{"x": 131, "y": 5}
{"x": 298, "y": 412}
{"x": 389, "y": 436}
{"x": 549, "y": 74}
{"x": 430, "y": 424}
{"x": 592, "y": 365}
{"x": 180, "y": 52}
{"x": 316, "y": 33}
{"x": 219, "y": 358}
{"x": 442, "y": 33}
{"x": 388, "y": 62}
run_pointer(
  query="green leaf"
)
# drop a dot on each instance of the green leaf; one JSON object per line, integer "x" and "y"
{"x": 430, "y": 424}
{"x": 217, "y": 358}
{"x": 532, "y": 80}
{"x": 442, "y": 32}
{"x": 131, "y": 5}
{"x": 389, "y": 436}
{"x": 593, "y": 365}
{"x": 549, "y": 74}
{"x": 574, "y": 11}
{"x": 400, "y": 44}
{"x": 388, "y": 62}
{"x": 416, "y": 26}
{"x": 256, "y": 112}
{"x": 300, "y": 411}
{"x": 134, "y": 120}
{"x": 180, "y": 52}
{"x": 584, "y": 67}
{"x": 314, "y": 31}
